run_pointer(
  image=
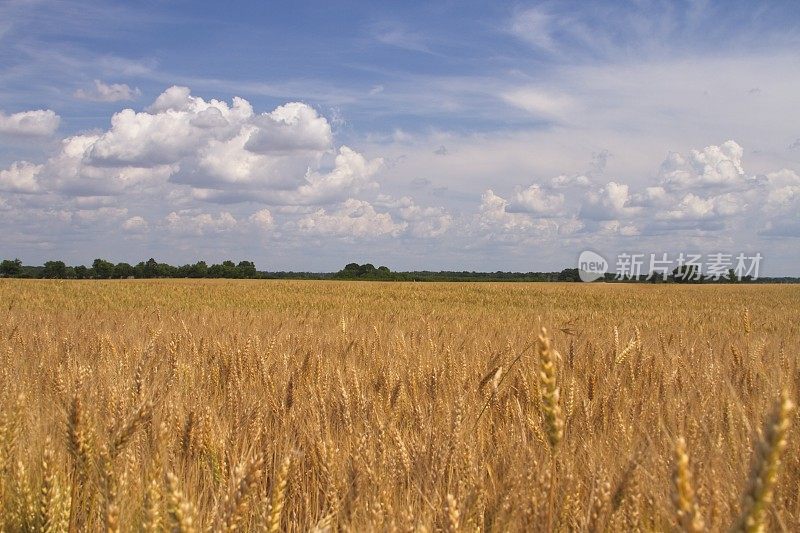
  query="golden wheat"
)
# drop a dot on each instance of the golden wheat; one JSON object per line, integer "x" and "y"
{"x": 213, "y": 405}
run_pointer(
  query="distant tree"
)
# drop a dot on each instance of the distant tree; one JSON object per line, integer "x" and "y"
{"x": 199, "y": 270}
{"x": 123, "y": 271}
{"x": 54, "y": 270}
{"x": 164, "y": 270}
{"x": 367, "y": 268}
{"x": 10, "y": 267}
{"x": 149, "y": 269}
{"x": 81, "y": 272}
{"x": 246, "y": 269}
{"x": 569, "y": 274}
{"x": 225, "y": 270}
{"x": 102, "y": 269}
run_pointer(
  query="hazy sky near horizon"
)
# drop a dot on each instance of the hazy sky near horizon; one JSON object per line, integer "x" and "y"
{"x": 419, "y": 135}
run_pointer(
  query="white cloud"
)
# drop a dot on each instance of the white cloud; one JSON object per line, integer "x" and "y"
{"x": 693, "y": 207}
{"x": 352, "y": 219}
{"x": 108, "y": 92}
{"x": 423, "y": 222}
{"x": 262, "y": 219}
{"x": 190, "y": 223}
{"x": 38, "y": 123}
{"x": 564, "y": 180}
{"x": 70, "y": 173}
{"x": 611, "y": 202}
{"x": 537, "y": 201}
{"x": 352, "y": 172}
{"x": 223, "y": 152}
{"x": 714, "y": 166}
{"x": 135, "y": 224}
{"x": 493, "y": 214}
{"x": 539, "y": 102}
{"x": 293, "y": 127}
{"x": 705, "y": 191}
{"x": 20, "y": 177}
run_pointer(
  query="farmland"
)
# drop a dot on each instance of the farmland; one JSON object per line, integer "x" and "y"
{"x": 355, "y": 406}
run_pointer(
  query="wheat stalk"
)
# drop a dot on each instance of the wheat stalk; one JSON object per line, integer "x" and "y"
{"x": 767, "y": 464}
{"x": 278, "y": 497}
{"x": 689, "y": 517}
{"x": 180, "y": 511}
{"x": 549, "y": 390}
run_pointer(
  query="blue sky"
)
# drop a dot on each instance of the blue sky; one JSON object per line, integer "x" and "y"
{"x": 468, "y": 135}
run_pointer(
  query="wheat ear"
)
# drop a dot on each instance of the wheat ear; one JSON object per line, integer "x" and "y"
{"x": 180, "y": 511}
{"x": 548, "y": 386}
{"x": 689, "y": 517}
{"x": 766, "y": 466}
{"x": 278, "y": 497}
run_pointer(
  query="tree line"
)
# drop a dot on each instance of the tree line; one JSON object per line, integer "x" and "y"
{"x": 103, "y": 269}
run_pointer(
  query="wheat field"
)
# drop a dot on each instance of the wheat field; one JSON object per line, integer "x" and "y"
{"x": 343, "y": 406}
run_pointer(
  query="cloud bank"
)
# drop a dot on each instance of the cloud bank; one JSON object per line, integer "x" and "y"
{"x": 193, "y": 175}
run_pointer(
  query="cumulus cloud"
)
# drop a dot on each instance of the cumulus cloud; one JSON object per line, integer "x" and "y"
{"x": 564, "y": 180}
{"x": 536, "y": 200}
{"x": 714, "y": 166}
{"x": 293, "y": 127}
{"x": 38, "y": 123}
{"x": 693, "y": 207}
{"x": 352, "y": 219}
{"x": 494, "y": 214}
{"x": 422, "y": 222}
{"x": 135, "y": 224}
{"x": 705, "y": 191}
{"x": 611, "y": 202}
{"x": 189, "y": 223}
{"x": 20, "y": 177}
{"x": 223, "y": 152}
{"x": 262, "y": 219}
{"x": 108, "y": 92}
{"x": 281, "y": 173}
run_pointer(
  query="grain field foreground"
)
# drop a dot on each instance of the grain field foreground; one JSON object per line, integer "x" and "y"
{"x": 325, "y": 406}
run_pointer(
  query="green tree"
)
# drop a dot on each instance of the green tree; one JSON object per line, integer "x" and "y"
{"x": 102, "y": 269}
{"x": 10, "y": 267}
{"x": 226, "y": 270}
{"x": 199, "y": 270}
{"x": 149, "y": 268}
{"x": 54, "y": 270}
{"x": 569, "y": 274}
{"x": 81, "y": 272}
{"x": 366, "y": 270}
{"x": 165, "y": 270}
{"x": 246, "y": 269}
{"x": 123, "y": 271}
